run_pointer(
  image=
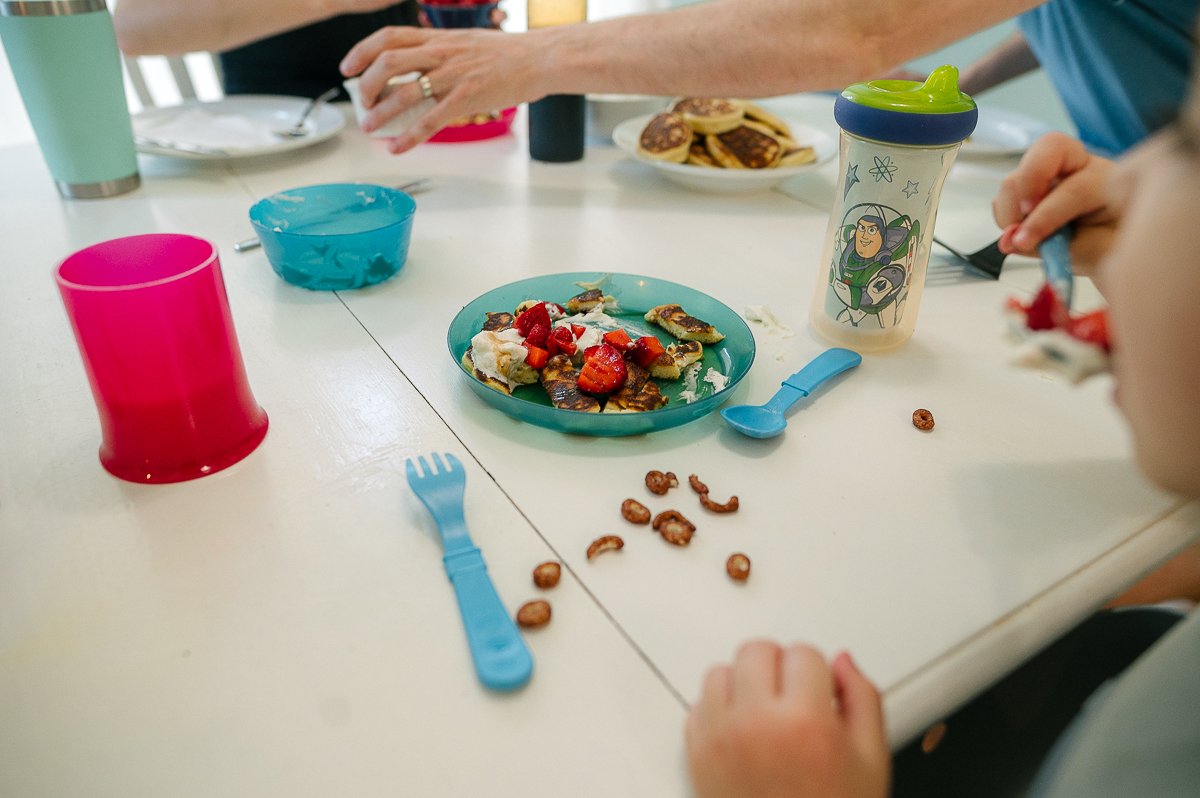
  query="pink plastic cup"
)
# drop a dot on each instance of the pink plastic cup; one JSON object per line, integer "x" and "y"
{"x": 152, "y": 321}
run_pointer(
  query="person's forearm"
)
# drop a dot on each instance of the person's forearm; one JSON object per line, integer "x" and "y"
{"x": 756, "y": 48}
{"x": 1011, "y": 58}
{"x": 170, "y": 27}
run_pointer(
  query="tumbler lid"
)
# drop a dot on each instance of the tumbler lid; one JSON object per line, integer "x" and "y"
{"x": 907, "y": 112}
{"x": 50, "y": 8}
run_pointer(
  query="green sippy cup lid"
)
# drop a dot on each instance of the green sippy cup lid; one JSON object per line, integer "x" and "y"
{"x": 907, "y": 112}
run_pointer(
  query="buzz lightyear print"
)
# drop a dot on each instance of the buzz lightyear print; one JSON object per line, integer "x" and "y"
{"x": 873, "y": 257}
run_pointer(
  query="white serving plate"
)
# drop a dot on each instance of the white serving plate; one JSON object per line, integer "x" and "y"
{"x": 727, "y": 181}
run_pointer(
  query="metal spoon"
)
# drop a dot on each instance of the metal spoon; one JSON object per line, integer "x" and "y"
{"x": 412, "y": 187}
{"x": 767, "y": 421}
{"x": 298, "y": 130}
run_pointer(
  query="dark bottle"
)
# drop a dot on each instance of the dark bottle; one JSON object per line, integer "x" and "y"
{"x": 556, "y": 128}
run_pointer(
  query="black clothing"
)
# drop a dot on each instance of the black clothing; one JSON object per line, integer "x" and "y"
{"x": 304, "y": 61}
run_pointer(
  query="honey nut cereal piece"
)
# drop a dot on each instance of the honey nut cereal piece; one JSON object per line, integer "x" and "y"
{"x": 534, "y": 614}
{"x": 708, "y": 504}
{"x": 659, "y": 483}
{"x": 604, "y": 543}
{"x": 728, "y": 507}
{"x": 635, "y": 512}
{"x": 677, "y": 533}
{"x": 674, "y": 527}
{"x": 923, "y": 419}
{"x": 547, "y": 574}
{"x": 738, "y": 567}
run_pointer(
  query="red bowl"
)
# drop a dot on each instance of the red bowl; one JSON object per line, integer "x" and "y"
{"x": 472, "y": 131}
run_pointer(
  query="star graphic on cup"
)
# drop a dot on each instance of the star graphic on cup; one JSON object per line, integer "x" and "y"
{"x": 910, "y": 189}
{"x": 883, "y": 168}
{"x": 851, "y": 178}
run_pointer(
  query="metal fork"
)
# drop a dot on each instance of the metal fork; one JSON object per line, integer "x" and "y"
{"x": 988, "y": 260}
{"x": 502, "y": 660}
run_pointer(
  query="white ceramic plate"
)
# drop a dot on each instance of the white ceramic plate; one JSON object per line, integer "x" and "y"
{"x": 1001, "y": 132}
{"x": 727, "y": 181}
{"x": 239, "y": 126}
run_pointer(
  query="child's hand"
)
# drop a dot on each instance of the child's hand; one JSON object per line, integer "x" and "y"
{"x": 1057, "y": 182}
{"x": 782, "y": 722}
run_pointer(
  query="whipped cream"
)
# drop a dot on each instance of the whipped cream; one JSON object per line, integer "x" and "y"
{"x": 498, "y": 354}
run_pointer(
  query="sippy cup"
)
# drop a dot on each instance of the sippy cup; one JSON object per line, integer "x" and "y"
{"x": 898, "y": 141}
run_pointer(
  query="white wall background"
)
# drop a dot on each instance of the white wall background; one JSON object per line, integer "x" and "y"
{"x": 1031, "y": 94}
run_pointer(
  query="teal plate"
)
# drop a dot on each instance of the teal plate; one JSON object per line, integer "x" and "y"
{"x": 635, "y": 294}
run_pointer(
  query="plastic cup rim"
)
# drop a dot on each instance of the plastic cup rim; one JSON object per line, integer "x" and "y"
{"x": 75, "y": 286}
{"x": 257, "y": 225}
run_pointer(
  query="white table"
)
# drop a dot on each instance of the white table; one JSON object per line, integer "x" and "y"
{"x": 285, "y": 627}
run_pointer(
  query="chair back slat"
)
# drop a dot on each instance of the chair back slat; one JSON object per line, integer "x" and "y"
{"x": 152, "y": 86}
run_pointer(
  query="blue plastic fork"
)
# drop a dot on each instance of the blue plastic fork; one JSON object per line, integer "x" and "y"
{"x": 502, "y": 660}
{"x": 1056, "y": 263}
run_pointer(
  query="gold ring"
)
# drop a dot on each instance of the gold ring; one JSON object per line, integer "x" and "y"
{"x": 426, "y": 87}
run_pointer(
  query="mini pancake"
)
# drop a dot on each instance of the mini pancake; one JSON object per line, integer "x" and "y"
{"x": 560, "y": 378}
{"x": 698, "y": 154}
{"x": 469, "y": 364}
{"x": 784, "y": 141}
{"x": 797, "y": 156}
{"x": 666, "y": 137}
{"x": 588, "y": 300}
{"x": 497, "y": 322}
{"x": 708, "y": 115}
{"x": 639, "y": 394}
{"x": 670, "y": 364}
{"x": 756, "y": 113}
{"x": 745, "y": 148}
{"x": 674, "y": 320}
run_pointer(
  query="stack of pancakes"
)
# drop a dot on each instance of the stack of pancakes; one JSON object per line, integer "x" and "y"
{"x": 721, "y": 133}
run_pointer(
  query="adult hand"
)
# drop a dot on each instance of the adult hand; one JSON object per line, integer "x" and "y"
{"x": 470, "y": 70}
{"x": 782, "y": 722}
{"x": 1058, "y": 182}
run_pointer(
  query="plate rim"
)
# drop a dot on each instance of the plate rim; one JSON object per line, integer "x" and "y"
{"x": 679, "y": 414}
{"x": 1028, "y": 123}
{"x": 328, "y": 120}
{"x": 826, "y": 151}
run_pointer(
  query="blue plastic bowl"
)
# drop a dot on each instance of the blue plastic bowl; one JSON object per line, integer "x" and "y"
{"x": 335, "y": 236}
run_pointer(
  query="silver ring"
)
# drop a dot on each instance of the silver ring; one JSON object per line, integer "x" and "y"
{"x": 426, "y": 87}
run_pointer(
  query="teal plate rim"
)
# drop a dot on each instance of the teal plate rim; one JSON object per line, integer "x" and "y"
{"x": 635, "y": 294}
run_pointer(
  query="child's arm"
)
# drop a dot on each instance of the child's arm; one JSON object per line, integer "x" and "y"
{"x": 780, "y": 721}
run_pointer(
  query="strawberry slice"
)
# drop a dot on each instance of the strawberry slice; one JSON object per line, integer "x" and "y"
{"x": 563, "y": 341}
{"x": 1091, "y": 328}
{"x": 646, "y": 350}
{"x": 618, "y": 339}
{"x": 536, "y": 357}
{"x": 536, "y": 314}
{"x": 578, "y": 329}
{"x": 538, "y": 334}
{"x": 603, "y": 370}
{"x": 1045, "y": 311}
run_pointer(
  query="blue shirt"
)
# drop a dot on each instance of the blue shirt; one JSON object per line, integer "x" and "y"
{"x": 1121, "y": 67}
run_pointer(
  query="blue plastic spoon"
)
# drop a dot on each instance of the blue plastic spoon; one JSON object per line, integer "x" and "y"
{"x": 767, "y": 421}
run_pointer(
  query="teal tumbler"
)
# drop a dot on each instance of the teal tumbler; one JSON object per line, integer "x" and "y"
{"x": 67, "y": 68}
